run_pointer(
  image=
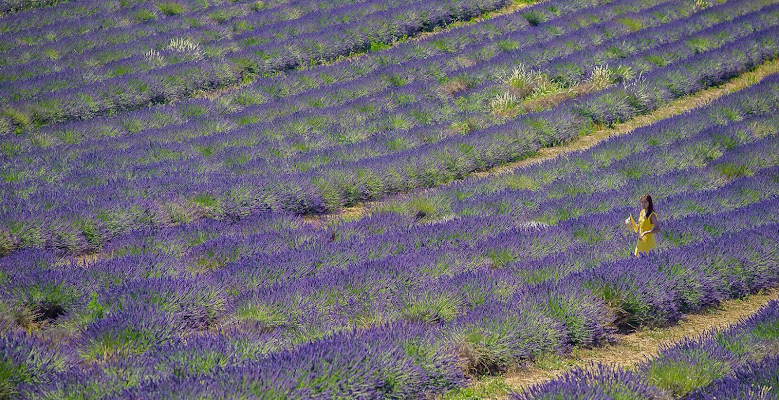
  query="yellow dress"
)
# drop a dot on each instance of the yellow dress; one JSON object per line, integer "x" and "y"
{"x": 644, "y": 224}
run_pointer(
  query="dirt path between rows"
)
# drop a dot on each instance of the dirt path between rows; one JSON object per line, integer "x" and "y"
{"x": 636, "y": 347}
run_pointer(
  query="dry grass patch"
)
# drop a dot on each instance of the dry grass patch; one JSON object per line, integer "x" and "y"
{"x": 454, "y": 86}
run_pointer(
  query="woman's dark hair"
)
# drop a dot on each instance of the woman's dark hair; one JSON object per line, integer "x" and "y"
{"x": 651, "y": 208}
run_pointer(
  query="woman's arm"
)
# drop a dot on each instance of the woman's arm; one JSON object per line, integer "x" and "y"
{"x": 655, "y": 225}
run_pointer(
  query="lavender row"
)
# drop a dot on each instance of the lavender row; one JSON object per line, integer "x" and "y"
{"x": 499, "y": 241}
{"x": 739, "y": 102}
{"x": 200, "y": 309}
{"x": 147, "y": 88}
{"x": 404, "y": 76}
{"x": 173, "y": 41}
{"x": 403, "y": 119}
{"x": 490, "y": 331}
{"x": 754, "y": 380}
{"x": 34, "y": 27}
{"x": 205, "y": 250}
{"x": 204, "y": 199}
{"x": 467, "y": 232}
{"x": 407, "y": 282}
{"x": 736, "y": 363}
{"x": 519, "y": 138}
{"x": 17, "y": 5}
{"x": 60, "y": 10}
{"x": 343, "y": 73}
{"x": 569, "y": 175}
{"x": 209, "y": 147}
{"x": 544, "y": 329}
{"x": 315, "y": 253}
{"x": 423, "y": 285}
{"x": 706, "y": 160}
{"x": 700, "y": 204}
{"x": 65, "y": 11}
{"x": 574, "y": 314}
{"x": 304, "y": 162}
{"x": 413, "y": 254}
{"x": 107, "y": 40}
{"x": 286, "y": 124}
{"x": 413, "y": 125}
{"x": 71, "y": 81}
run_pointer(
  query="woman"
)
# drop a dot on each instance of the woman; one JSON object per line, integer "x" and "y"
{"x": 646, "y": 227}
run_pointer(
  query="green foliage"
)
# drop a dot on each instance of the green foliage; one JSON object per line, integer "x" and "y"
{"x": 171, "y": 8}
{"x": 767, "y": 330}
{"x": 534, "y": 17}
{"x": 588, "y": 236}
{"x": 52, "y": 54}
{"x": 111, "y": 345}
{"x": 379, "y": 46}
{"x": 633, "y": 24}
{"x": 433, "y": 308}
{"x": 259, "y": 5}
{"x": 491, "y": 346}
{"x": 204, "y": 200}
{"x": 484, "y": 350}
{"x": 485, "y": 388}
{"x": 20, "y": 119}
{"x": 242, "y": 26}
{"x": 398, "y": 144}
{"x": 220, "y": 16}
{"x": 396, "y": 80}
{"x": 6, "y": 126}
{"x": 11, "y": 376}
{"x": 263, "y": 317}
{"x": 47, "y": 300}
{"x": 738, "y": 345}
{"x": 95, "y": 309}
{"x": 733, "y": 170}
{"x": 507, "y": 45}
{"x": 678, "y": 239}
{"x": 91, "y": 232}
{"x": 681, "y": 377}
{"x": 632, "y": 310}
{"x": 428, "y": 208}
{"x": 7, "y": 242}
{"x": 144, "y": 15}
{"x": 500, "y": 258}
{"x": 192, "y": 110}
{"x": 197, "y": 362}
{"x": 699, "y": 44}
{"x": 521, "y": 182}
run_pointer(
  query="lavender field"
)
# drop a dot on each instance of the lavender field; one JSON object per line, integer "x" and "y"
{"x": 292, "y": 199}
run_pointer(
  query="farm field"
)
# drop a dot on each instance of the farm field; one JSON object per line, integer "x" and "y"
{"x": 385, "y": 199}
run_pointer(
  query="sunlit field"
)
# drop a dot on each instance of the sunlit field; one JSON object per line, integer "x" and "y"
{"x": 361, "y": 199}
